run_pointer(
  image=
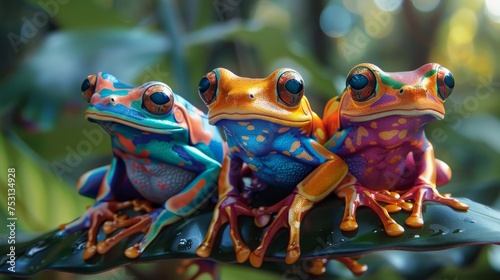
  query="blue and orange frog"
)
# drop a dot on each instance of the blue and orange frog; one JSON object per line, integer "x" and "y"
{"x": 271, "y": 129}
{"x": 166, "y": 161}
{"x": 377, "y": 127}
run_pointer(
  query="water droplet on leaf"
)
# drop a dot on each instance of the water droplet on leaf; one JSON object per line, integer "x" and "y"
{"x": 39, "y": 246}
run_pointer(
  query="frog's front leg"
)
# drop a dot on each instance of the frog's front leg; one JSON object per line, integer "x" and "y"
{"x": 429, "y": 171}
{"x": 193, "y": 196}
{"x": 355, "y": 195}
{"x": 227, "y": 210}
{"x": 88, "y": 185}
{"x": 291, "y": 210}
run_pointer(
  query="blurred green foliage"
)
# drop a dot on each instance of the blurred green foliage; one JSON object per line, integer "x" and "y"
{"x": 48, "y": 47}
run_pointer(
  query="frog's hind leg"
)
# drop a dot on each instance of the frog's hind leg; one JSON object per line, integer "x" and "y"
{"x": 89, "y": 183}
{"x": 443, "y": 173}
{"x": 355, "y": 196}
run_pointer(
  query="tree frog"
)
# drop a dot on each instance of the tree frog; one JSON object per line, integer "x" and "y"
{"x": 377, "y": 127}
{"x": 165, "y": 154}
{"x": 270, "y": 128}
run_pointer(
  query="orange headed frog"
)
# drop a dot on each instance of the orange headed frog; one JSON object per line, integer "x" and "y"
{"x": 270, "y": 127}
{"x": 377, "y": 127}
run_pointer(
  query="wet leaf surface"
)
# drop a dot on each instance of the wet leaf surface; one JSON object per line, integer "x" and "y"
{"x": 444, "y": 228}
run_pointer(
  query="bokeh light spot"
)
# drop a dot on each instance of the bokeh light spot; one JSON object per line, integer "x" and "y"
{"x": 463, "y": 26}
{"x": 335, "y": 21}
{"x": 493, "y": 10}
{"x": 425, "y": 5}
{"x": 388, "y": 5}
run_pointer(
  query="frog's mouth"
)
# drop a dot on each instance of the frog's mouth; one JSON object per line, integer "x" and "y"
{"x": 213, "y": 119}
{"x": 142, "y": 126}
{"x": 409, "y": 113}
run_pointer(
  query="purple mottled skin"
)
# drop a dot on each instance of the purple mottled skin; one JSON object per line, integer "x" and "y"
{"x": 377, "y": 127}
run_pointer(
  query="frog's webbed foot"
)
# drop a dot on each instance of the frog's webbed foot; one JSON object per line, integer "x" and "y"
{"x": 131, "y": 226}
{"x": 227, "y": 210}
{"x": 356, "y": 196}
{"x": 317, "y": 266}
{"x": 422, "y": 193}
{"x": 93, "y": 219}
{"x": 290, "y": 212}
{"x": 204, "y": 268}
{"x": 353, "y": 265}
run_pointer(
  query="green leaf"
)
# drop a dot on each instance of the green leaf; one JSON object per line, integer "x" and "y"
{"x": 36, "y": 190}
{"x": 321, "y": 237}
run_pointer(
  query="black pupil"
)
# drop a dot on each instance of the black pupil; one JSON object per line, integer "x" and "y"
{"x": 204, "y": 84}
{"x": 294, "y": 86}
{"x": 85, "y": 85}
{"x": 358, "y": 81}
{"x": 159, "y": 98}
{"x": 449, "y": 81}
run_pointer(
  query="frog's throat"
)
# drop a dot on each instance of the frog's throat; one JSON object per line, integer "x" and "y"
{"x": 245, "y": 117}
{"x": 140, "y": 126}
{"x": 409, "y": 112}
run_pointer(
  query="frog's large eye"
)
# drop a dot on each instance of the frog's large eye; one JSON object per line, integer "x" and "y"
{"x": 361, "y": 83}
{"x": 445, "y": 82}
{"x": 88, "y": 87}
{"x": 207, "y": 88}
{"x": 158, "y": 99}
{"x": 290, "y": 88}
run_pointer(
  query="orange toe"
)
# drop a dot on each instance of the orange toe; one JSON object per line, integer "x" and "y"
{"x": 89, "y": 252}
{"x": 394, "y": 229}
{"x": 133, "y": 252}
{"x": 292, "y": 255}
{"x": 256, "y": 260}
{"x": 242, "y": 254}
{"x": 415, "y": 221}
{"x": 349, "y": 225}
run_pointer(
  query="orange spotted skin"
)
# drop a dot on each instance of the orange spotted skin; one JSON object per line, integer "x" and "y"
{"x": 377, "y": 127}
{"x": 270, "y": 128}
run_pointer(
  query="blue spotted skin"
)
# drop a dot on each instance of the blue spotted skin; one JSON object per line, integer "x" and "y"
{"x": 267, "y": 150}
{"x": 271, "y": 128}
{"x": 164, "y": 151}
